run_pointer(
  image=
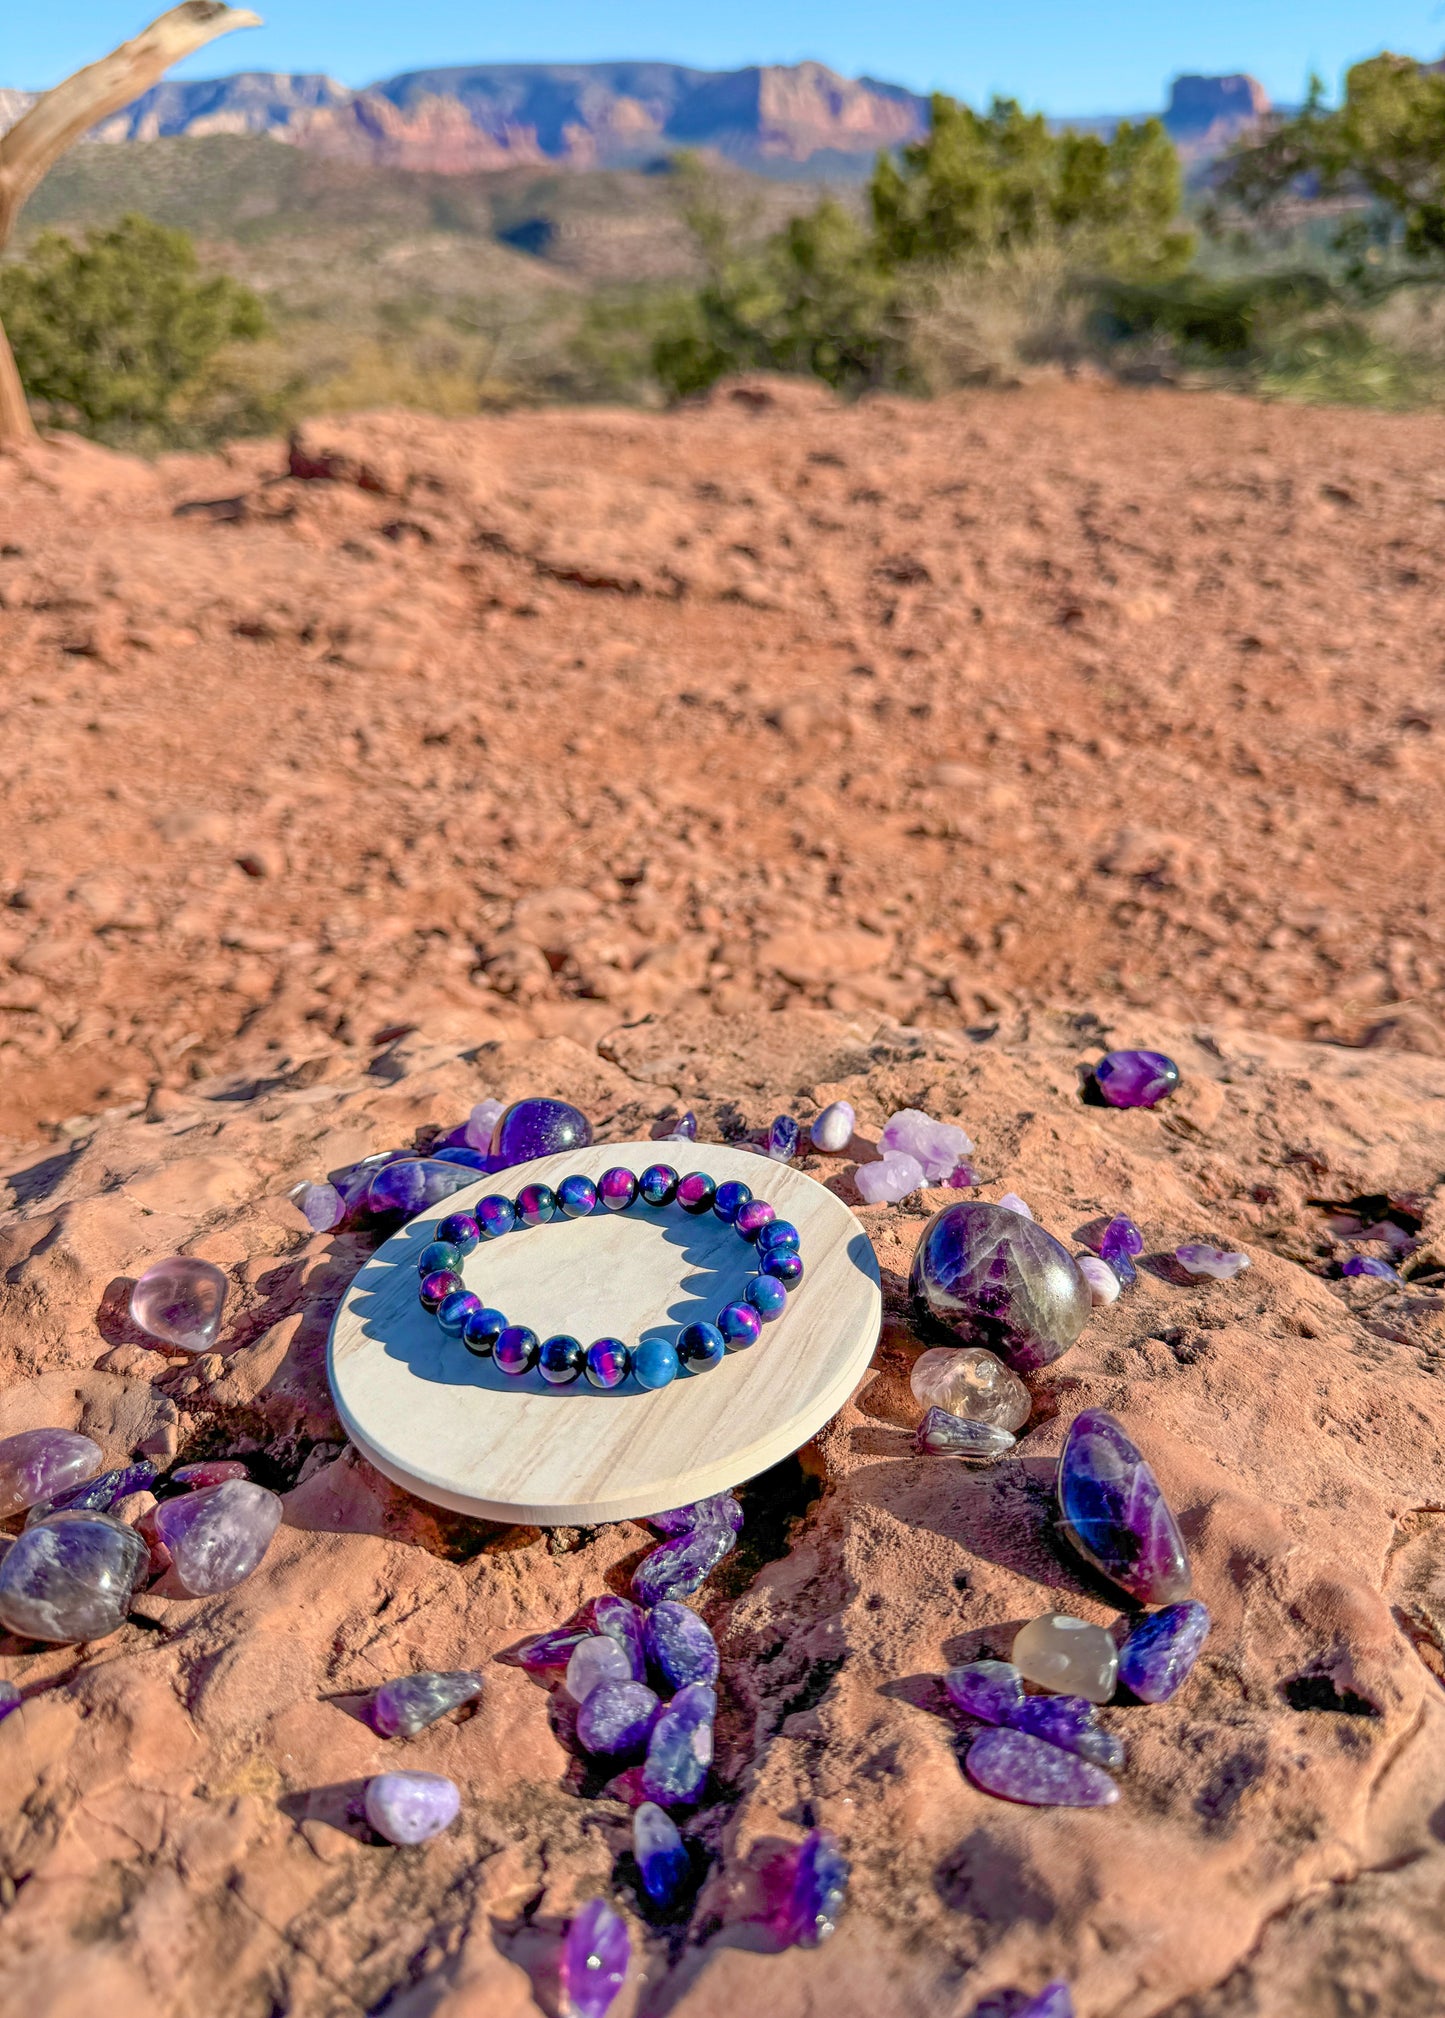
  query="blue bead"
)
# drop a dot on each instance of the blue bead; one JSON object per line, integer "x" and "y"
{"x": 482, "y": 1330}
{"x": 461, "y": 1230}
{"x": 559, "y": 1359}
{"x": 439, "y": 1254}
{"x": 536, "y": 1204}
{"x": 658, "y": 1184}
{"x": 778, "y": 1233}
{"x": 577, "y": 1197}
{"x": 608, "y": 1362}
{"x": 700, "y": 1346}
{"x": 767, "y": 1296}
{"x": 655, "y": 1362}
{"x": 730, "y": 1199}
{"x": 495, "y": 1215}
{"x": 516, "y": 1349}
{"x": 786, "y": 1266}
{"x": 454, "y": 1310}
{"x": 739, "y": 1324}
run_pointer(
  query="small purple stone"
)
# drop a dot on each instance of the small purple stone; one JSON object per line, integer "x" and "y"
{"x": 1070, "y": 1723}
{"x": 679, "y": 1751}
{"x": 321, "y": 1205}
{"x": 217, "y": 1536}
{"x": 620, "y": 1620}
{"x": 662, "y": 1861}
{"x": 402, "y": 1190}
{"x": 995, "y": 1279}
{"x": 817, "y": 1887}
{"x": 1366, "y": 1264}
{"x": 1159, "y": 1654}
{"x": 1199, "y": 1258}
{"x": 1120, "y": 1242}
{"x": 1017, "y": 1767}
{"x": 411, "y": 1807}
{"x": 401, "y": 1708}
{"x": 988, "y": 1690}
{"x": 481, "y": 1123}
{"x": 679, "y": 1645}
{"x": 679, "y": 1566}
{"x": 179, "y": 1302}
{"x": 939, "y": 1147}
{"x": 683, "y": 1129}
{"x": 71, "y": 1578}
{"x": 208, "y": 1471}
{"x": 1115, "y": 1514}
{"x": 10, "y": 1699}
{"x": 38, "y": 1464}
{"x": 98, "y": 1495}
{"x": 616, "y": 1717}
{"x": 531, "y": 1128}
{"x": 681, "y": 1520}
{"x": 544, "y": 1652}
{"x": 943, "y": 1435}
{"x": 595, "y": 1956}
{"x": 1053, "y": 2001}
{"x": 1135, "y": 1078}
{"x": 782, "y": 1143}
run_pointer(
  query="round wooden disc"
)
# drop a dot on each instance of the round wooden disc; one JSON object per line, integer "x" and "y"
{"x": 453, "y": 1429}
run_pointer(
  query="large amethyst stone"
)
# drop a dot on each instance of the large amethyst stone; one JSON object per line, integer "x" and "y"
{"x": 594, "y": 1961}
{"x": 678, "y": 1567}
{"x": 71, "y": 1578}
{"x": 36, "y": 1464}
{"x": 679, "y": 1645}
{"x": 539, "y": 1128}
{"x": 1115, "y": 1514}
{"x": 1159, "y": 1654}
{"x": 998, "y": 1280}
{"x": 1017, "y": 1767}
{"x": 1135, "y": 1078}
{"x": 217, "y": 1536}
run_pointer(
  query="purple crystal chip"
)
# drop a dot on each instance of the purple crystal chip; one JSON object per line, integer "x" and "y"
{"x": 1135, "y": 1078}
{"x": 321, "y": 1205}
{"x": 218, "y": 1535}
{"x": 617, "y": 1717}
{"x": 679, "y": 1645}
{"x": 1366, "y": 1264}
{"x": 401, "y": 1708}
{"x": 71, "y": 1578}
{"x": 620, "y": 1620}
{"x": 662, "y": 1860}
{"x": 1053, "y": 2001}
{"x": 98, "y": 1495}
{"x": 595, "y": 1956}
{"x": 1017, "y": 1767}
{"x": 678, "y": 1567}
{"x": 1159, "y": 1654}
{"x": 945, "y": 1435}
{"x": 1115, "y": 1514}
{"x": 544, "y": 1652}
{"x": 1120, "y": 1242}
{"x": 817, "y": 1885}
{"x": 208, "y": 1471}
{"x": 681, "y": 1520}
{"x": 988, "y": 1690}
{"x": 993, "y": 1691}
{"x": 1199, "y": 1258}
{"x": 679, "y": 1751}
{"x": 411, "y": 1807}
{"x": 1000, "y": 1281}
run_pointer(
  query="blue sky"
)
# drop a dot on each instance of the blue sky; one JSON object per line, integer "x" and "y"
{"x": 1116, "y": 55}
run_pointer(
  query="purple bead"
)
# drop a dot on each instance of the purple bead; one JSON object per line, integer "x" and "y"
{"x": 617, "y": 1188}
{"x": 1115, "y": 1514}
{"x": 38, "y": 1464}
{"x": 752, "y": 1217}
{"x": 679, "y": 1751}
{"x": 435, "y": 1289}
{"x": 678, "y": 1567}
{"x": 71, "y": 1578}
{"x": 11, "y": 1699}
{"x": 995, "y": 1279}
{"x": 767, "y": 1296}
{"x": 209, "y": 1471}
{"x": 179, "y": 1301}
{"x": 658, "y": 1185}
{"x": 701, "y": 1346}
{"x": 577, "y": 1197}
{"x": 1367, "y": 1264}
{"x": 778, "y": 1234}
{"x": 988, "y": 1690}
{"x": 740, "y": 1326}
{"x": 619, "y": 1619}
{"x": 662, "y": 1862}
{"x": 816, "y": 1889}
{"x": 217, "y": 1537}
{"x": 97, "y": 1495}
{"x": 531, "y": 1128}
{"x": 536, "y": 1204}
{"x": 405, "y": 1188}
{"x": 559, "y": 1359}
{"x": 1135, "y": 1078}
{"x": 401, "y": 1708}
{"x": 695, "y": 1192}
{"x": 943, "y": 1435}
{"x": 1070, "y": 1723}
{"x": 729, "y": 1200}
{"x": 595, "y": 1956}
{"x": 1120, "y": 1241}
{"x": 482, "y": 1330}
{"x": 459, "y": 1230}
{"x": 782, "y": 1142}
{"x": 544, "y": 1652}
{"x": 1158, "y": 1655}
{"x": 679, "y": 1645}
{"x": 1053, "y": 2001}
{"x": 681, "y": 1520}
{"x": 515, "y": 1351}
{"x": 1017, "y": 1767}
{"x": 655, "y": 1362}
{"x": 411, "y": 1807}
{"x": 495, "y": 1215}
{"x": 608, "y": 1363}
{"x": 616, "y": 1717}
{"x": 453, "y": 1311}
{"x": 783, "y": 1265}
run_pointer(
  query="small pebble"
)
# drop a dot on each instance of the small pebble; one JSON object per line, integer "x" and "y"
{"x": 1135, "y": 1078}
{"x": 683, "y": 1519}
{"x": 679, "y": 1645}
{"x": 1159, "y": 1655}
{"x": 834, "y": 1128}
{"x": 678, "y": 1567}
{"x": 1120, "y": 1242}
{"x": 679, "y": 1751}
{"x": 208, "y": 1471}
{"x": 595, "y": 1661}
{"x": 1011, "y": 1202}
{"x": 617, "y": 1717}
{"x": 1199, "y": 1258}
{"x": 619, "y": 1619}
{"x": 482, "y": 1124}
{"x": 321, "y": 1205}
{"x": 1068, "y": 1656}
{"x": 401, "y": 1708}
{"x": 782, "y": 1143}
{"x": 893, "y": 1177}
{"x": 1366, "y": 1264}
{"x": 411, "y": 1807}
{"x": 1104, "y": 1285}
{"x": 943, "y": 1435}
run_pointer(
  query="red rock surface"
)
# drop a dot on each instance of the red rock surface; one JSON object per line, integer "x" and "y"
{"x": 369, "y": 752}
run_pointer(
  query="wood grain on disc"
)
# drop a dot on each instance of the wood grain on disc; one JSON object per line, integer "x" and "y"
{"x": 451, "y": 1428}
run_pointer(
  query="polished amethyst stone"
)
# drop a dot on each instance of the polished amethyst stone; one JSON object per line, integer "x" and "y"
{"x": 482, "y": 1330}
{"x": 11, "y": 1699}
{"x": 594, "y": 1662}
{"x": 696, "y": 1192}
{"x": 658, "y": 1185}
{"x": 482, "y": 1123}
{"x": 459, "y": 1230}
{"x": 435, "y": 1289}
{"x": 321, "y": 1205}
{"x": 785, "y": 1266}
{"x": 1200, "y": 1258}
{"x": 1135, "y": 1078}
{"x": 1053, "y": 2001}
{"x": 617, "y": 1188}
{"x": 71, "y": 1578}
{"x": 768, "y": 1297}
{"x": 179, "y": 1301}
{"x": 943, "y": 1435}
{"x": 595, "y": 1956}
{"x": 776, "y": 1235}
{"x": 681, "y": 1520}
{"x": 998, "y": 1280}
{"x": 679, "y": 1751}
{"x": 454, "y": 1312}
{"x": 411, "y": 1807}
{"x": 1120, "y": 1241}
{"x": 662, "y": 1862}
{"x": 405, "y": 1188}
{"x": 729, "y": 1200}
{"x": 208, "y": 1471}
{"x": 619, "y": 1619}
{"x": 1367, "y": 1264}
{"x": 701, "y": 1345}
{"x": 740, "y": 1326}
{"x": 938, "y": 1147}
{"x": 577, "y": 1196}
{"x": 679, "y": 1645}
{"x": 783, "y": 1136}
{"x": 217, "y": 1537}
{"x": 1017, "y": 1767}
{"x": 495, "y": 1215}
{"x": 515, "y": 1350}
{"x": 1159, "y": 1654}
{"x": 401, "y": 1708}
{"x": 616, "y": 1717}
{"x": 38, "y": 1464}
{"x": 816, "y": 1885}
{"x": 1069, "y": 1722}
{"x": 536, "y": 1204}
{"x": 543, "y": 1653}
{"x": 97, "y": 1495}
{"x": 753, "y": 1217}
{"x": 834, "y": 1128}
{"x": 988, "y": 1690}
{"x": 559, "y": 1359}
{"x": 679, "y": 1128}
{"x": 679, "y": 1566}
{"x": 531, "y": 1128}
{"x": 607, "y": 1363}
{"x": 1115, "y": 1514}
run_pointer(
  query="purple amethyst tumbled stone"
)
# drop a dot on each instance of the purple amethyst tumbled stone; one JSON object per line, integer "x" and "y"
{"x": 995, "y": 1279}
{"x": 37, "y": 1464}
{"x": 71, "y": 1578}
{"x": 1115, "y": 1514}
{"x": 816, "y": 1886}
{"x": 217, "y": 1537}
{"x": 401, "y": 1708}
{"x": 595, "y": 1956}
{"x": 681, "y": 1520}
{"x": 403, "y": 1189}
{"x": 1160, "y": 1653}
{"x": 679, "y": 1751}
{"x": 680, "y": 1646}
{"x": 988, "y": 1690}
{"x": 616, "y": 1717}
{"x": 539, "y": 1128}
{"x": 678, "y": 1567}
{"x": 619, "y": 1619}
{"x": 662, "y": 1860}
{"x": 993, "y": 1691}
{"x": 544, "y": 1653}
{"x": 1135, "y": 1078}
{"x": 411, "y": 1807}
{"x": 1018, "y": 1767}
{"x": 97, "y": 1495}
{"x": 1120, "y": 1241}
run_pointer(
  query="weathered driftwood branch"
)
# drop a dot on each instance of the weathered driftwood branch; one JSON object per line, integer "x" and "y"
{"x": 56, "y": 121}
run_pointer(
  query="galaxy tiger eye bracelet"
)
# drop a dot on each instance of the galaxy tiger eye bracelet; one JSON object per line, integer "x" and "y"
{"x": 608, "y": 1362}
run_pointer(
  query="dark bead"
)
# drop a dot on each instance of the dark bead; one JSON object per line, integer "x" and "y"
{"x": 577, "y": 1197}
{"x": 778, "y": 1233}
{"x": 617, "y": 1188}
{"x": 695, "y": 1192}
{"x": 454, "y": 1310}
{"x": 461, "y": 1230}
{"x": 998, "y": 1280}
{"x": 767, "y": 1296}
{"x": 439, "y": 1255}
{"x": 729, "y": 1200}
{"x": 482, "y": 1330}
{"x": 752, "y": 1217}
{"x": 496, "y": 1215}
{"x": 785, "y": 1265}
{"x": 536, "y": 1204}
{"x": 608, "y": 1362}
{"x": 655, "y": 1362}
{"x": 559, "y": 1359}
{"x": 700, "y": 1346}
{"x": 531, "y": 1128}
{"x": 436, "y": 1288}
{"x": 740, "y": 1325}
{"x": 516, "y": 1349}
{"x": 658, "y": 1184}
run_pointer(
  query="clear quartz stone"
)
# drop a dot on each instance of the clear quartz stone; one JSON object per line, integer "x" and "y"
{"x": 972, "y": 1383}
{"x": 1067, "y": 1656}
{"x": 833, "y": 1130}
{"x": 179, "y": 1301}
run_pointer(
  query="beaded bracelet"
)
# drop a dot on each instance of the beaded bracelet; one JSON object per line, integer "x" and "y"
{"x": 607, "y": 1362}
